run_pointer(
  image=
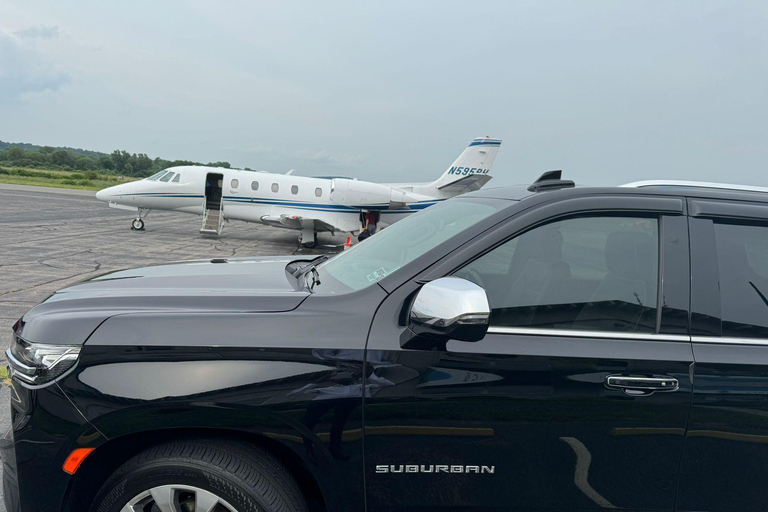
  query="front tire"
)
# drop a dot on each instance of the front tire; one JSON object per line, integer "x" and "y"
{"x": 137, "y": 224}
{"x": 207, "y": 475}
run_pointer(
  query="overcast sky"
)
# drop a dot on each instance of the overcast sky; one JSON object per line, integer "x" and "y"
{"x": 609, "y": 91}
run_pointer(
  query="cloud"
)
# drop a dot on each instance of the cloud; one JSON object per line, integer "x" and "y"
{"x": 24, "y": 70}
{"x": 39, "y": 32}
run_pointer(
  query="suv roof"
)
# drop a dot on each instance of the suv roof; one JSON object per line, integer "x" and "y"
{"x": 651, "y": 187}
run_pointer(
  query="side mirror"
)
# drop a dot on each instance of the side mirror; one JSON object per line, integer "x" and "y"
{"x": 449, "y": 308}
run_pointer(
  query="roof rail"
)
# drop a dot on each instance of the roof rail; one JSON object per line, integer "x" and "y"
{"x": 550, "y": 180}
{"x": 694, "y": 184}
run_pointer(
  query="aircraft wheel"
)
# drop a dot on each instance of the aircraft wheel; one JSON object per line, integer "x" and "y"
{"x": 312, "y": 244}
{"x": 137, "y": 225}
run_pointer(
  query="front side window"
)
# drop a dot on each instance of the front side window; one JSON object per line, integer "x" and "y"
{"x": 254, "y": 185}
{"x": 589, "y": 273}
{"x": 742, "y": 257}
{"x": 294, "y": 190}
{"x": 167, "y": 177}
{"x": 275, "y": 187}
{"x": 235, "y": 183}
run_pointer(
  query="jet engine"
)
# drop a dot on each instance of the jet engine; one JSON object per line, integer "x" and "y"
{"x": 364, "y": 193}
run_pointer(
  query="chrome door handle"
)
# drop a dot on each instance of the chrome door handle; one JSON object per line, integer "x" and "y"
{"x": 630, "y": 383}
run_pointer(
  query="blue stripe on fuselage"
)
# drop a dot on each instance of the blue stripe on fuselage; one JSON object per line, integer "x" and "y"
{"x": 290, "y": 203}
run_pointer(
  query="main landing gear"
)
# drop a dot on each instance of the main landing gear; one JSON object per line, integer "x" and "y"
{"x": 308, "y": 237}
{"x": 138, "y": 222}
{"x": 310, "y": 243}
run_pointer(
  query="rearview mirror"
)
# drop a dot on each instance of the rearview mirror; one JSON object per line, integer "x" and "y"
{"x": 449, "y": 308}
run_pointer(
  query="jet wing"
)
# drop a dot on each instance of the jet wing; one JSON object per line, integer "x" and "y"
{"x": 295, "y": 222}
{"x": 468, "y": 183}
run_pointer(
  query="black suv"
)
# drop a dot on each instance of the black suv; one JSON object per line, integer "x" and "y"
{"x": 542, "y": 348}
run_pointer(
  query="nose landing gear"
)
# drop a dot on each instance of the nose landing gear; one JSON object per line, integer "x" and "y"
{"x": 138, "y": 222}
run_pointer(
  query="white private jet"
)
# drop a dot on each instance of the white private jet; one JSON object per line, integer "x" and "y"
{"x": 307, "y": 204}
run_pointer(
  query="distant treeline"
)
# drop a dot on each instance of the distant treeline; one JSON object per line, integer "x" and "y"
{"x": 70, "y": 159}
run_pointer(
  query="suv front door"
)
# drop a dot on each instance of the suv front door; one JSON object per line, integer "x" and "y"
{"x": 527, "y": 418}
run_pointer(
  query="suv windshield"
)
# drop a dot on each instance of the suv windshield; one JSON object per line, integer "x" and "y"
{"x": 403, "y": 242}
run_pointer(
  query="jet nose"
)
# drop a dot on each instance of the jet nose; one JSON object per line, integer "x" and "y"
{"x": 103, "y": 195}
{"x": 111, "y": 193}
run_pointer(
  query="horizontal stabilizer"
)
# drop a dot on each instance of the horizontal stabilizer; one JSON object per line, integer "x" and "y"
{"x": 468, "y": 183}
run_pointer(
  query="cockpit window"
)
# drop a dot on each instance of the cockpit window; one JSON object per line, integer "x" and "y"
{"x": 167, "y": 177}
{"x": 156, "y": 176}
{"x": 176, "y": 179}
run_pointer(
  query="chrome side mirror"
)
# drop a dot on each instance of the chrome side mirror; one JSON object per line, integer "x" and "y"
{"x": 449, "y": 308}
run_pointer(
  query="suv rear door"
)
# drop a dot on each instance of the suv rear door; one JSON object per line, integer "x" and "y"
{"x": 726, "y": 446}
{"x": 527, "y": 418}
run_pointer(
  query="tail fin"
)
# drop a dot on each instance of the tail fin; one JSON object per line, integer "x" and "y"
{"x": 471, "y": 170}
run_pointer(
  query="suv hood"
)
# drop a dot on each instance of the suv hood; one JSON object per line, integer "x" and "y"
{"x": 71, "y": 314}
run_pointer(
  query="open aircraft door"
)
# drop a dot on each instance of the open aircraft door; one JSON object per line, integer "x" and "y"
{"x": 214, "y": 204}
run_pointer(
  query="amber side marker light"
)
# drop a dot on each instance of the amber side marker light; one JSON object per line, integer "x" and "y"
{"x": 75, "y": 459}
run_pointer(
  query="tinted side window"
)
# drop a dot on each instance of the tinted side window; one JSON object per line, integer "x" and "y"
{"x": 254, "y": 185}
{"x": 742, "y": 258}
{"x": 235, "y": 183}
{"x": 590, "y": 273}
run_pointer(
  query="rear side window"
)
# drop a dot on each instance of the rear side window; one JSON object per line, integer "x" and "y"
{"x": 275, "y": 187}
{"x": 177, "y": 178}
{"x": 742, "y": 258}
{"x": 294, "y": 189}
{"x": 590, "y": 273}
{"x": 318, "y": 192}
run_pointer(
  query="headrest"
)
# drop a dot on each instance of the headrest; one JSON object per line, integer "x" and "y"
{"x": 544, "y": 244}
{"x": 630, "y": 254}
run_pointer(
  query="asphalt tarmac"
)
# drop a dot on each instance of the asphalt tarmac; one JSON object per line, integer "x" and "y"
{"x": 51, "y": 238}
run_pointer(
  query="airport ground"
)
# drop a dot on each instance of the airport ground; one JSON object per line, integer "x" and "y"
{"x": 51, "y": 238}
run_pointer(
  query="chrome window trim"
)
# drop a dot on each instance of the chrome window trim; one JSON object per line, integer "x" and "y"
{"x": 589, "y": 334}
{"x": 729, "y": 341}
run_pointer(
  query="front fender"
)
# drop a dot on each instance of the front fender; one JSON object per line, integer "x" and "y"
{"x": 308, "y": 400}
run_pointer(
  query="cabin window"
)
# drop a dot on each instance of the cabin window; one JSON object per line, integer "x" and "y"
{"x": 235, "y": 183}
{"x": 254, "y": 185}
{"x": 176, "y": 179}
{"x": 294, "y": 189}
{"x": 167, "y": 177}
{"x": 275, "y": 187}
{"x": 318, "y": 192}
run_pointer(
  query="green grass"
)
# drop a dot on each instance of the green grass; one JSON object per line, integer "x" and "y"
{"x": 4, "y": 376}
{"x": 83, "y": 180}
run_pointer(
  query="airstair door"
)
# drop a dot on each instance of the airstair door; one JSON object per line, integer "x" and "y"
{"x": 213, "y": 205}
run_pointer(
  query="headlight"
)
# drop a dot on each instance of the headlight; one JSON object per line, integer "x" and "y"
{"x": 37, "y": 363}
